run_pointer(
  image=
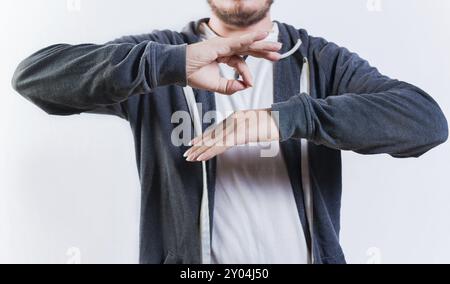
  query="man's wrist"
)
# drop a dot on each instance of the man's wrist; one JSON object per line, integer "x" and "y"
{"x": 170, "y": 64}
{"x": 292, "y": 118}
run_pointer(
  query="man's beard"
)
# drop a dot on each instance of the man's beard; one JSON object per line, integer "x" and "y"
{"x": 239, "y": 17}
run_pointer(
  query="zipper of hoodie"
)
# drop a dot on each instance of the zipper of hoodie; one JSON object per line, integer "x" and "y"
{"x": 205, "y": 236}
{"x": 305, "y": 174}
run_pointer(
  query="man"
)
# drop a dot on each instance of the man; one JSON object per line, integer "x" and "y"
{"x": 213, "y": 203}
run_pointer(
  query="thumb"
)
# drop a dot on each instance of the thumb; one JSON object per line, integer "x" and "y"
{"x": 229, "y": 87}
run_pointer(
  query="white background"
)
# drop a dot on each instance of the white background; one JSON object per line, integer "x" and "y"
{"x": 71, "y": 182}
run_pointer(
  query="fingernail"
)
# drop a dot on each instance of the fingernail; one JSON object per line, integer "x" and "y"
{"x": 185, "y": 154}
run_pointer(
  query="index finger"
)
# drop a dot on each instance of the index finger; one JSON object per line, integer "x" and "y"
{"x": 243, "y": 42}
{"x": 250, "y": 38}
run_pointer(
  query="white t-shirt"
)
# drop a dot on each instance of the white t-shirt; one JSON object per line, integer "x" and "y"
{"x": 255, "y": 214}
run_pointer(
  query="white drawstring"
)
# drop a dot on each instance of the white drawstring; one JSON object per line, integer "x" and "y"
{"x": 205, "y": 234}
{"x": 292, "y": 51}
{"x": 306, "y": 181}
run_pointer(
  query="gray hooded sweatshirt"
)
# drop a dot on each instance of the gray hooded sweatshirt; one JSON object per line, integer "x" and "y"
{"x": 342, "y": 103}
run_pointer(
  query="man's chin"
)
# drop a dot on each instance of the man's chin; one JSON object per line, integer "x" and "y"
{"x": 241, "y": 16}
{"x": 241, "y": 19}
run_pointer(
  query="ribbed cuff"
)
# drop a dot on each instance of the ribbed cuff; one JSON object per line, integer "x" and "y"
{"x": 169, "y": 64}
{"x": 292, "y": 118}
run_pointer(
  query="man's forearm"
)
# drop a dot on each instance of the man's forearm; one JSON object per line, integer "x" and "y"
{"x": 67, "y": 79}
{"x": 363, "y": 110}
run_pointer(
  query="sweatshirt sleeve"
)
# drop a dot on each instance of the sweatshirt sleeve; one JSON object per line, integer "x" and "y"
{"x": 363, "y": 111}
{"x": 70, "y": 79}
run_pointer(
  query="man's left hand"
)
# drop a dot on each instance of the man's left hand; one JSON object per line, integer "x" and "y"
{"x": 242, "y": 127}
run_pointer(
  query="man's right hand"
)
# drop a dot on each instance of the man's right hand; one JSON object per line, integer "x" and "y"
{"x": 202, "y": 61}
